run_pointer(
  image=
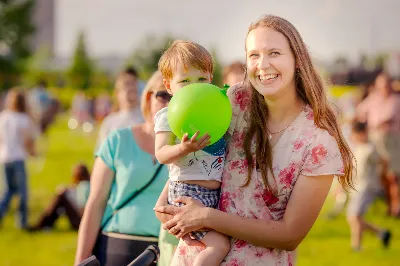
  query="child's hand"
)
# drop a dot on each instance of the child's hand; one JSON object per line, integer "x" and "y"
{"x": 191, "y": 145}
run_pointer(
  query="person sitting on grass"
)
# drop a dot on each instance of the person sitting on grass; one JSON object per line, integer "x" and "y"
{"x": 69, "y": 201}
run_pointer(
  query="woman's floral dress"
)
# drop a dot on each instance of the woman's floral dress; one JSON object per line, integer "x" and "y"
{"x": 303, "y": 149}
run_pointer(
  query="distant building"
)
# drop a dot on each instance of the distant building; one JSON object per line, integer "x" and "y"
{"x": 393, "y": 64}
{"x": 44, "y": 21}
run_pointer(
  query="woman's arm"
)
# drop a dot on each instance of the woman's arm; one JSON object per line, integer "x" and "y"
{"x": 100, "y": 186}
{"x": 163, "y": 200}
{"x": 304, "y": 205}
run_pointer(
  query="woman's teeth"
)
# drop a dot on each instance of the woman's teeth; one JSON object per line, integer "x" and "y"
{"x": 268, "y": 77}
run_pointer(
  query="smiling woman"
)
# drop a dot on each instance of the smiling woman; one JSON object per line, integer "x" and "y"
{"x": 272, "y": 188}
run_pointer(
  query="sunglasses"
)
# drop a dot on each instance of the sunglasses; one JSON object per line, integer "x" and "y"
{"x": 163, "y": 96}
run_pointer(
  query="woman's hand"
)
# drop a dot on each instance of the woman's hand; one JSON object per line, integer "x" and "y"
{"x": 186, "y": 219}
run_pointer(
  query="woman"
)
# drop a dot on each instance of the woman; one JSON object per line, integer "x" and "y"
{"x": 381, "y": 111}
{"x": 17, "y": 136}
{"x": 284, "y": 149}
{"x": 127, "y": 112}
{"x": 125, "y": 163}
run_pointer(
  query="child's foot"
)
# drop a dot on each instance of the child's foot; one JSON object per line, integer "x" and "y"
{"x": 356, "y": 249}
{"x": 386, "y": 237}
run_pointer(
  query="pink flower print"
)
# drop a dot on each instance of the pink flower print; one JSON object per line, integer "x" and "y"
{"x": 226, "y": 176}
{"x": 235, "y": 262}
{"x": 224, "y": 201}
{"x": 290, "y": 259}
{"x": 341, "y": 170}
{"x": 286, "y": 175}
{"x": 224, "y": 185}
{"x": 308, "y": 133}
{"x": 182, "y": 250}
{"x": 259, "y": 201}
{"x": 297, "y": 144}
{"x": 318, "y": 153}
{"x": 240, "y": 243}
{"x": 238, "y": 139}
{"x": 310, "y": 115}
{"x": 269, "y": 198}
{"x": 238, "y": 194}
{"x": 260, "y": 252}
{"x": 234, "y": 165}
{"x": 240, "y": 165}
{"x": 242, "y": 98}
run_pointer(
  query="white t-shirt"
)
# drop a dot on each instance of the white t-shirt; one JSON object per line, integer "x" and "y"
{"x": 15, "y": 129}
{"x": 368, "y": 167}
{"x": 118, "y": 120}
{"x": 198, "y": 165}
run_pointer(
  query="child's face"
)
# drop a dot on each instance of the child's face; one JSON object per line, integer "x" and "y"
{"x": 182, "y": 77}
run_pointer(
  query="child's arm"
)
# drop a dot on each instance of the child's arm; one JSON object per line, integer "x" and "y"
{"x": 167, "y": 153}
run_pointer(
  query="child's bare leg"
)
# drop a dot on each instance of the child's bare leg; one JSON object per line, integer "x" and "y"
{"x": 356, "y": 231}
{"x": 217, "y": 247}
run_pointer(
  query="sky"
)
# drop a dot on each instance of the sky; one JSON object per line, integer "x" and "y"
{"x": 330, "y": 28}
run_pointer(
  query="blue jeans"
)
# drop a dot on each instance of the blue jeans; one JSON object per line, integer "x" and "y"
{"x": 15, "y": 184}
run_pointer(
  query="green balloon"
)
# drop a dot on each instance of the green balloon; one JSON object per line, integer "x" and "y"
{"x": 200, "y": 107}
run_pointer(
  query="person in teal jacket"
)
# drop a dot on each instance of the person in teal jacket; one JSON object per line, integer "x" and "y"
{"x": 125, "y": 163}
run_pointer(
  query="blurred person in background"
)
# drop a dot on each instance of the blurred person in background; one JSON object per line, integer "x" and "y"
{"x": 102, "y": 107}
{"x": 368, "y": 187}
{"x": 140, "y": 83}
{"x": 70, "y": 200}
{"x": 39, "y": 102}
{"x": 49, "y": 117}
{"x": 381, "y": 111}
{"x": 127, "y": 110}
{"x": 81, "y": 107}
{"x": 125, "y": 163}
{"x": 17, "y": 138}
{"x": 346, "y": 104}
{"x": 233, "y": 73}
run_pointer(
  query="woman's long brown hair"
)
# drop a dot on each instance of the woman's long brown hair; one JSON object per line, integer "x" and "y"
{"x": 310, "y": 89}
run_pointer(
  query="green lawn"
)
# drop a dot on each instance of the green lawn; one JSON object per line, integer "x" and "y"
{"x": 327, "y": 243}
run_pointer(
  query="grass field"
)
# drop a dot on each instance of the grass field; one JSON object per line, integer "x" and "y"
{"x": 326, "y": 244}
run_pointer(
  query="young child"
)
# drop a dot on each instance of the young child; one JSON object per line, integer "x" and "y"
{"x": 193, "y": 172}
{"x": 368, "y": 187}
